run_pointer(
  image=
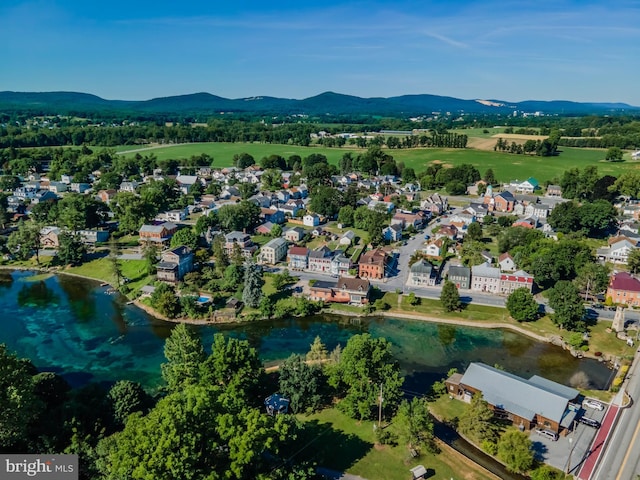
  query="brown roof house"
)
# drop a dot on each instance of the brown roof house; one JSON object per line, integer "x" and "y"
{"x": 354, "y": 291}
{"x": 373, "y": 264}
{"x": 175, "y": 264}
{"x": 528, "y": 404}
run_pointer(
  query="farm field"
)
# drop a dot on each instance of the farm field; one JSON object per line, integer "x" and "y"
{"x": 505, "y": 166}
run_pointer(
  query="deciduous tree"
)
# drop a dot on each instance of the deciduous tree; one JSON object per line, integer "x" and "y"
{"x": 522, "y": 305}
{"x": 449, "y": 297}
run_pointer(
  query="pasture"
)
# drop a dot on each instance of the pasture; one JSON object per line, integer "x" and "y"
{"x": 505, "y": 166}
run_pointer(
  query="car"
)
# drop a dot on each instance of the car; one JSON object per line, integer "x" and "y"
{"x": 593, "y": 404}
{"x": 427, "y": 237}
{"x": 547, "y": 434}
{"x": 589, "y": 422}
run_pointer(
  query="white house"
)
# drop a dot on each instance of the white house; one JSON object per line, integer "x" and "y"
{"x": 311, "y": 220}
{"x": 347, "y": 238}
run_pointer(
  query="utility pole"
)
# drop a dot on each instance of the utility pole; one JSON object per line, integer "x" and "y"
{"x": 380, "y": 407}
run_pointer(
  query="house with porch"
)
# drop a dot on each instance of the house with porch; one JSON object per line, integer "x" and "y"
{"x": 354, "y": 291}
{"x": 298, "y": 258}
{"x": 242, "y": 240}
{"x": 175, "y": 264}
{"x": 528, "y": 404}
{"x": 422, "y": 274}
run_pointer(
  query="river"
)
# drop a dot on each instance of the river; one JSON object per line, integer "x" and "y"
{"x": 76, "y": 328}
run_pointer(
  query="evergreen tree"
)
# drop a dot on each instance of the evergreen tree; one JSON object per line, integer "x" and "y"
{"x": 253, "y": 282}
{"x": 185, "y": 355}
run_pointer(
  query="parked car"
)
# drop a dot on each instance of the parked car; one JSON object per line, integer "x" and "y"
{"x": 589, "y": 422}
{"x": 427, "y": 237}
{"x": 548, "y": 434}
{"x": 593, "y": 404}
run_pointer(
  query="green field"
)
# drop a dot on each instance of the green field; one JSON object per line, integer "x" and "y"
{"x": 505, "y": 166}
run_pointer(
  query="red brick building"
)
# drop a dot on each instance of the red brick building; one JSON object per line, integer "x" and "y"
{"x": 624, "y": 288}
{"x": 373, "y": 264}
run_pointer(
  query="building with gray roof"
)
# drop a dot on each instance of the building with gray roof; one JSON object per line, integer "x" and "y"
{"x": 534, "y": 403}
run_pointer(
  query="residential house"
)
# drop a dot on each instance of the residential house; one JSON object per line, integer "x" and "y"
{"x": 528, "y": 222}
{"x": 294, "y": 234}
{"x": 538, "y": 210}
{"x": 159, "y": 234}
{"x": 58, "y": 187}
{"x": 129, "y": 187}
{"x": 485, "y": 278}
{"x": 93, "y": 236}
{"x": 353, "y": 291}
{"x": 528, "y": 404}
{"x": 106, "y": 196}
{"x": 265, "y": 228}
{"x": 448, "y": 231}
{"x": 379, "y": 205}
{"x": 186, "y": 183}
{"x": 44, "y": 196}
{"x": 230, "y": 192}
{"x": 422, "y": 273}
{"x": 373, "y": 264}
{"x": 347, "y": 238}
{"x": 273, "y": 251}
{"x": 298, "y": 258}
{"x": 392, "y": 233}
{"x": 528, "y": 186}
{"x": 242, "y": 240}
{"x": 506, "y": 262}
{"x": 340, "y": 264}
{"x": 406, "y": 219}
{"x": 175, "y": 264}
{"x": 436, "y": 204}
{"x": 311, "y": 220}
{"x": 434, "y": 248}
{"x": 320, "y": 260}
{"x": 554, "y": 191}
{"x": 175, "y": 216}
{"x": 624, "y": 288}
{"x": 80, "y": 187}
{"x": 511, "y": 281}
{"x": 49, "y": 237}
{"x": 272, "y": 215}
{"x": 618, "y": 249}
{"x": 460, "y": 276}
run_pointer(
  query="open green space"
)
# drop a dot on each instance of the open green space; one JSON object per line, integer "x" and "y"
{"x": 343, "y": 444}
{"x": 100, "y": 269}
{"x": 506, "y": 166}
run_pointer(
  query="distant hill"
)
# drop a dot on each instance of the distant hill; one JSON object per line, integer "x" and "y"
{"x": 328, "y": 103}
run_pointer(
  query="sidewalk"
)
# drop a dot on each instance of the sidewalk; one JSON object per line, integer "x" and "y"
{"x": 597, "y": 447}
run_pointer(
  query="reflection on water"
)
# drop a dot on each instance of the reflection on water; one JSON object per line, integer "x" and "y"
{"x": 72, "y": 327}
{"x": 37, "y": 294}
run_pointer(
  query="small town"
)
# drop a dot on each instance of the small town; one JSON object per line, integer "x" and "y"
{"x": 319, "y": 241}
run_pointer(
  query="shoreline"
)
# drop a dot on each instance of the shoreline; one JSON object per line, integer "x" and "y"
{"x": 388, "y": 314}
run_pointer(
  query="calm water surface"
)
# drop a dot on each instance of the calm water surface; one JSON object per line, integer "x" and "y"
{"x": 73, "y": 327}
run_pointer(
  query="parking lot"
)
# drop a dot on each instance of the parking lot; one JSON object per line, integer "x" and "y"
{"x": 571, "y": 448}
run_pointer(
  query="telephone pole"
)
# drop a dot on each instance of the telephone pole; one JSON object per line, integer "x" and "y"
{"x": 380, "y": 407}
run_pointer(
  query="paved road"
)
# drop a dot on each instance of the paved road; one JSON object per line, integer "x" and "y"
{"x": 621, "y": 457}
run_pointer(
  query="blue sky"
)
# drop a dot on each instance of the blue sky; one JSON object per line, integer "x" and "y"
{"x": 510, "y": 50}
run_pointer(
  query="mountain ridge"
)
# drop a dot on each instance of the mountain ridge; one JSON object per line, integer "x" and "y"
{"x": 325, "y": 103}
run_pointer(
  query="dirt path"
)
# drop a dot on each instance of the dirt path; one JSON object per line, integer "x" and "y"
{"x": 152, "y": 147}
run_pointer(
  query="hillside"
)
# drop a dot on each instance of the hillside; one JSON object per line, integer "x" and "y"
{"x": 328, "y": 103}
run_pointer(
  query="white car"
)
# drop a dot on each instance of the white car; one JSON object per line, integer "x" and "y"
{"x": 593, "y": 404}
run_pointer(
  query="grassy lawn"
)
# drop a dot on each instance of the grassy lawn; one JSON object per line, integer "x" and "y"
{"x": 343, "y": 444}
{"x": 100, "y": 269}
{"x": 506, "y": 166}
{"x": 608, "y": 342}
{"x": 446, "y": 409}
